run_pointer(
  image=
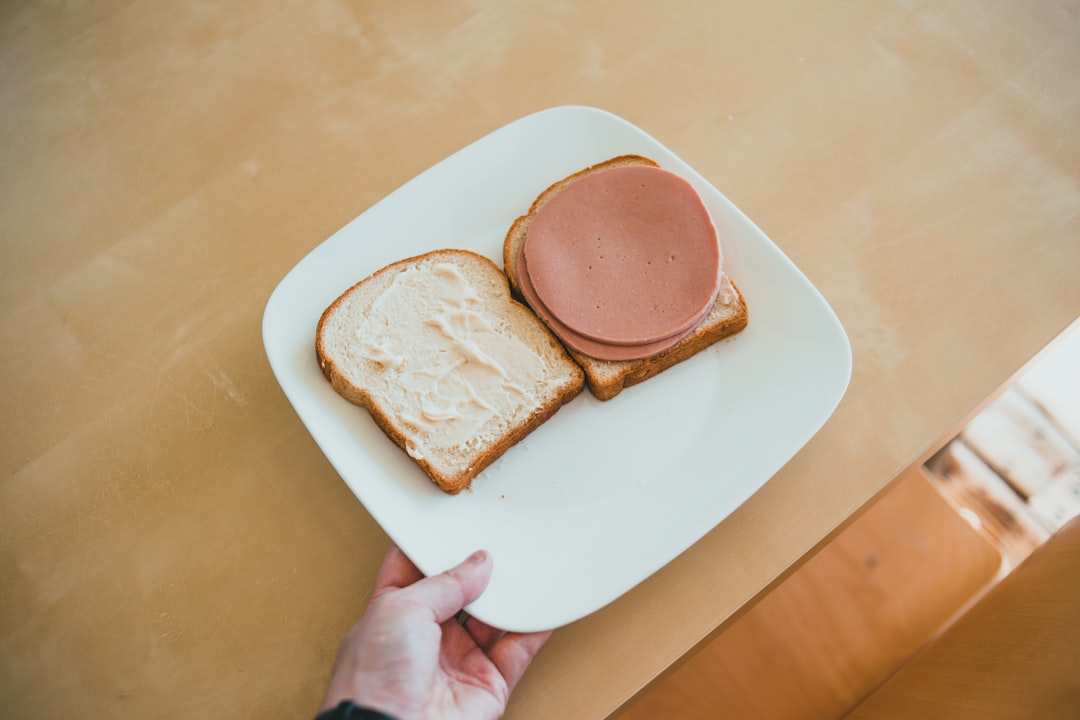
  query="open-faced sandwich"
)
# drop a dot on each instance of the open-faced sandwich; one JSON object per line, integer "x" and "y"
{"x": 451, "y": 368}
{"x": 622, "y": 261}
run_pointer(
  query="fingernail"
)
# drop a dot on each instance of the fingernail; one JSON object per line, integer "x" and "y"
{"x": 478, "y": 557}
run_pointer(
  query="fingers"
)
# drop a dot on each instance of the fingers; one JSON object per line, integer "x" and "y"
{"x": 513, "y": 652}
{"x": 448, "y": 592}
{"x": 483, "y": 634}
{"x": 396, "y": 571}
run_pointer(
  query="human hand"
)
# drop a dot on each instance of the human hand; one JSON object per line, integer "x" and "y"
{"x": 409, "y": 657}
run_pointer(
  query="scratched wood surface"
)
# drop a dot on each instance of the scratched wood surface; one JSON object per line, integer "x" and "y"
{"x": 171, "y": 536}
{"x": 981, "y": 494}
{"x": 1016, "y": 465}
{"x": 1021, "y": 443}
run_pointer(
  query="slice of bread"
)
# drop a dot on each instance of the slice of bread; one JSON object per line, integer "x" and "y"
{"x": 607, "y": 378}
{"x": 451, "y": 368}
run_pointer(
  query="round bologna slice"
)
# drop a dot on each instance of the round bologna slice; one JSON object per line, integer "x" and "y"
{"x": 625, "y": 256}
{"x": 592, "y": 348}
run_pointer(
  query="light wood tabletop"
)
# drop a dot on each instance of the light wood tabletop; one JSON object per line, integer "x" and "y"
{"x": 172, "y": 541}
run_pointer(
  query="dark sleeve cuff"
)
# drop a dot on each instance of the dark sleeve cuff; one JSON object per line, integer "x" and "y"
{"x": 349, "y": 711}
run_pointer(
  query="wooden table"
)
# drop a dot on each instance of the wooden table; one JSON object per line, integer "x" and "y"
{"x": 172, "y": 542}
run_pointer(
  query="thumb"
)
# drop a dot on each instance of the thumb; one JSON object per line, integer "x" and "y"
{"x": 448, "y": 592}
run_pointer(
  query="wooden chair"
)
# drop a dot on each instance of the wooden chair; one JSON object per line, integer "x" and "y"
{"x": 1014, "y": 654}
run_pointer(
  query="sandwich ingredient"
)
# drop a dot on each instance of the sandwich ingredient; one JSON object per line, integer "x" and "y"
{"x": 610, "y": 368}
{"x": 621, "y": 263}
{"x": 451, "y": 368}
{"x": 624, "y": 256}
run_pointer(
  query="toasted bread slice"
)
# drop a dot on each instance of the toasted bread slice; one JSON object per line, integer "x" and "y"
{"x": 607, "y": 378}
{"x": 451, "y": 368}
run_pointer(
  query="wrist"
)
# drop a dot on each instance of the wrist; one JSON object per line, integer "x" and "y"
{"x": 348, "y": 710}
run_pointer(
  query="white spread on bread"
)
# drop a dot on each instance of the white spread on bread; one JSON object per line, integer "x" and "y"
{"x": 622, "y": 263}
{"x": 726, "y": 295}
{"x": 445, "y": 355}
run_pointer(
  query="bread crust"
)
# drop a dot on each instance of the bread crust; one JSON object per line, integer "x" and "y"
{"x": 358, "y": 395}
{"x": 607, "y": 378}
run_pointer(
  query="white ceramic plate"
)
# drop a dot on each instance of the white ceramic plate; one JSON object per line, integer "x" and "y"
{"x": 603, "y": 494}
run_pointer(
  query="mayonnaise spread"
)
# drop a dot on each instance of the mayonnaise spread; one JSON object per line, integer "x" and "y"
{"x": 448, "y": 365}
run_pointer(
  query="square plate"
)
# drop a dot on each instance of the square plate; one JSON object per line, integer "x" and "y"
{"x": 603, "y": 494}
